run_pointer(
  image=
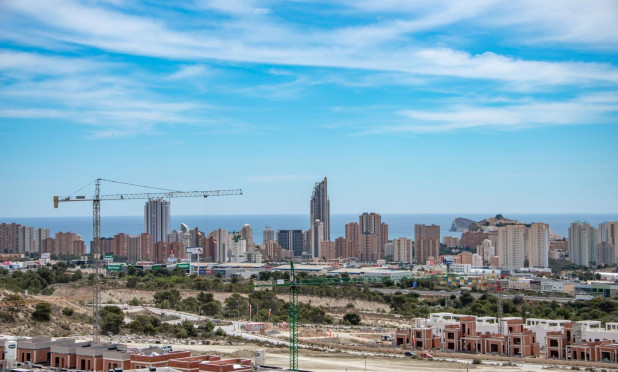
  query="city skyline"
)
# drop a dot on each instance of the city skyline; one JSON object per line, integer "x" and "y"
{"x": 406, "y": 107}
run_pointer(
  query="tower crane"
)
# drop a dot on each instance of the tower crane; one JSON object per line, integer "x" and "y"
{"x": 96, "y": 227}
{"x": 497, "y": 285}
{"x": 294, "y": 284}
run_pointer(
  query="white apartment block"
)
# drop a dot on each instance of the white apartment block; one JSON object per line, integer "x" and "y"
{"x": 582, "y": 242}
{"x": 537, "y": 245}
{"x": 237, "y": 248}
{"x": 402, "y": 250}
{"x": 511, "y": 247}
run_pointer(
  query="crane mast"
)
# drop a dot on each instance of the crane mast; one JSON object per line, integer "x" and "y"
{"x": 96, "y": 231}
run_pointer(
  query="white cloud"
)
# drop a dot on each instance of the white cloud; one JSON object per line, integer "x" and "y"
{"x": 589, "y": 109}
{"x": 382, "y": 46}
{"x": 190, "y": 71}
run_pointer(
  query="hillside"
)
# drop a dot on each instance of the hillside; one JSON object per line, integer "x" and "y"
{"x": 461, "y": 224}
{"x": 16, "y": 316}
{"x": 497, "y": 221}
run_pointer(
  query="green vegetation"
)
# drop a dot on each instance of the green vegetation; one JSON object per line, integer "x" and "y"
{"x": 38, "y": 281}
{"x": 42, "y": 312}
{"x": 68, "y": 311}
{"x": 112, "y": 319}
{"x": 351, "y": 319}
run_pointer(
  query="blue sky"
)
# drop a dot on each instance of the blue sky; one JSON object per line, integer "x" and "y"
{"x": 406, "y": 106}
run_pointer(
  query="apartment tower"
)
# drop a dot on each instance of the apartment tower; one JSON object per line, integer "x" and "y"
{"x": 319, "y": 209}
{"x": 157, "y": 219}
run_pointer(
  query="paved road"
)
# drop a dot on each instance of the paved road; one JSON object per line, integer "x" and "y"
{"x": 474, "y": 294}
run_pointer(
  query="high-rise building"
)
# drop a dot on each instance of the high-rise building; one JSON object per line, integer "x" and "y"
{"x": 344, "y": 248}
{"x": 146, "y": 246}
{"x": 292, "y": 240}
{"x": 319, "y": 208}
{"x": 40, "y": 235}
{"x": 582, "y": 243}
{"x": 121, "y": 245}
{"x": 486, "y": 250}
{"x": 471, "y": 239}
{"x": 451, "y": 241}
{"x": 65, "y": 244}
{"x": 537, "y": 245}
{"x": 247, "y": 233}
{"x": 48, "y": 245}
{"x": 605, "y": 254}
{"x": 608, "y": 233}
{"x": 268, "y": 234}
{"x": 237, "y": 247}
{"x": 26, "y": 240}
{"x": 328, "y": 250}
{"x": 160, "y": 252}
{"x": 157, "y": 219}
{"x": 210, "y": 247}
{"x": 371, "y": 223}
{"x": 353, "y": 235}
{"x": 317, "y": 229}
{"x": 370, "y": 248}
{"x": 271, "y": 251}
{"x": 402, "y": 250}
{"x": 426, "y": 243}
{"x": 511, "y": 249}
{"x": 220, "y": 237}
{"x": 9, "y": 237}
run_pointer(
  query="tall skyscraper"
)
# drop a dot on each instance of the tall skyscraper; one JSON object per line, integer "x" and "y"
{"x": 121, "y": 245}
{"x": 9, "y": 237}
{"x": 319, "y": 208}
{"x": 537, "y": 245}
{"x": 353, "y": 235}
{"x": 247, "y": 233}
{"x": 511, "y": 249}
{"x": 65, "y": 244}
{"x": 582, "y": 242}
{"x": 157, "y": 219}
{"x": 608, "y": 233}
{"x": 220, "y": 237}
{"x": 426, "y": 243}
{"x": 371, "y": 223}
{"x": 26, "y": 240}
{"x": 39, "y": 236}
{"x": 292, "y": 240}
{"x": 268, "y": 234}
{"x": 317, "y": 229}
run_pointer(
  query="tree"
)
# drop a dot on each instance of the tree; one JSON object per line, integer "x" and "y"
{"x": 42, "y": 312}
{"x": 236, "y": 306}
{"x": 352, "y": 318}
{"x": 112, "y": 318}
{"x": 167, "y": 299}
{"x": 466, "y": 299}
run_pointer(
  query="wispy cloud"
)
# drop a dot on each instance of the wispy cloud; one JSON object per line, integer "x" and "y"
{"x": 380, "y": 46}
{"x": 590, "y": 109}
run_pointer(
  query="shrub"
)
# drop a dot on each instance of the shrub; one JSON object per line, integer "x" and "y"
{"x": 68, "y": 311}
{"x": 477, "y": 361}
{"x": 42, "y": 312}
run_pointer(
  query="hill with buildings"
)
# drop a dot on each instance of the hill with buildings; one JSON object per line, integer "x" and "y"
{"x": 497, "y": 221}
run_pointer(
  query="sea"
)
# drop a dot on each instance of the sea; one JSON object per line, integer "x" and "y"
{"x": 399, "y": 225}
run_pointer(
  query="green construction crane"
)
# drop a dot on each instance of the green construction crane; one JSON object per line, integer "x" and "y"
{"x": 294, "y": 285}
